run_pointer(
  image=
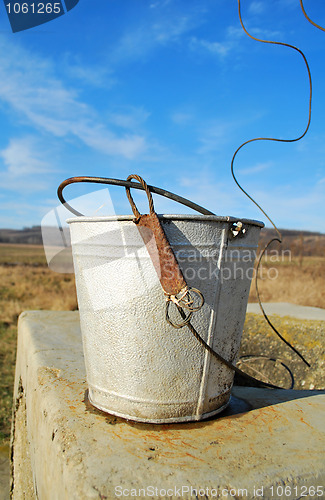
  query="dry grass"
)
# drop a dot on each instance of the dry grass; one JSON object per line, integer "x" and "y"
{"x": 25, "y": 287}
{"x": 25, "y": 283}
{"x": 7, "y": 365}
{"x": 298, "y": 281}
{"x": 22, "y": 254}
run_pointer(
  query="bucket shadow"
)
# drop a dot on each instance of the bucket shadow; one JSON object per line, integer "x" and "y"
{"x": 243, "y": 400}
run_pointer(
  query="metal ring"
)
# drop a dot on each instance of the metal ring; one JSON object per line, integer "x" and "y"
{"x": 189, "y": 304}
{"x": 172, "y": 323}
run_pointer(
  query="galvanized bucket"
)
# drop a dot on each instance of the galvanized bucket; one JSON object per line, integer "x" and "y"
{"x": 138, "y": 366}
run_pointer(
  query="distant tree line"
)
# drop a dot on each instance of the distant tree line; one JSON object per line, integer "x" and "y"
{"x": 26, "y": 236}
{"x": 300, "y": 243}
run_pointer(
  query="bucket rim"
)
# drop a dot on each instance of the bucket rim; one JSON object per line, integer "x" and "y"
{"x": 188, "y": 217}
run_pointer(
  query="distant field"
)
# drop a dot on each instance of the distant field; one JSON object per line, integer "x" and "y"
{"x": 27, "y": 283}
{"x": 22, "y": 254}
{"x": 297, "y": 280}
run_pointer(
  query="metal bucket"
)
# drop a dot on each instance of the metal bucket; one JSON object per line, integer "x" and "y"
{"x": 138, "y": 366}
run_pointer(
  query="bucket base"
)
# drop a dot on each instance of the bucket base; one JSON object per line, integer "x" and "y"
{"x": 224, "y": 398}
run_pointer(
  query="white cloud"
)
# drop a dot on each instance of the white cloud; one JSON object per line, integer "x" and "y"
{"x": 254, "y": 169}
{"x": 181, "y": 118}
{"x": 287, "y": 206}
{"x": 129, "y": 118}
{"x": 29, "y": 85}
{"x": 22, "y": 157}
{"x": 25, "y": 161}
{"x": 290, "y": 206}
{"x": 101, "y": 139}
{"x": 77, "y": 69}
{"x": 265, "y": 34}
{"x": 220, "y": 49}
{"x": 16, "y": 213}
{"x": 215, "y": 135}
{"x": 143, "y": 40}
{"x": 235, "y": 32}
{"x": 164, "y": 23}
{"x": 217, "y": 196}
{"x": 256, "y": 7}
{"x": 159, "y": 3}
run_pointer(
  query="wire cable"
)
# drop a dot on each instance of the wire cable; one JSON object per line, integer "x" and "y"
{"x": 275, "y": 139}
{"x": 308, "y": 18}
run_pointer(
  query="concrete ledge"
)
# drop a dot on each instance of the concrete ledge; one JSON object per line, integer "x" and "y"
{"x": 63, "y": 448}
{"x": 286, "y": 309}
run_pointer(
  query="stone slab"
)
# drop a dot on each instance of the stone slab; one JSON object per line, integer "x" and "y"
{"x": 286, "y": 309}
{"x": 63, "y": 448}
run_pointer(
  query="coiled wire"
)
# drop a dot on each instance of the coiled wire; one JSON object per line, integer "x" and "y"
{"x": 275, "y": 139}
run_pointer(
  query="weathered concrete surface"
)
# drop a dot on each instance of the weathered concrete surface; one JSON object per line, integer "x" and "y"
{"x": 23, "y": 473}
{"x": 307, "y": 336}
{"x": 286, "y": 309}
{"x": 69, "y": 450}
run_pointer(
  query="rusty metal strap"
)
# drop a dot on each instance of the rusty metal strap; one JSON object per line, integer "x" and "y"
{"x": 163, "y": 258}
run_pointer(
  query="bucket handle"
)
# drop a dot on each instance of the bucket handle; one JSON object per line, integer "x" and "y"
{"x": 126, "y": 184}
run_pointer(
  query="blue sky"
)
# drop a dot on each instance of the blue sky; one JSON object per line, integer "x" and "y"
{"x": 167, "y": 89}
